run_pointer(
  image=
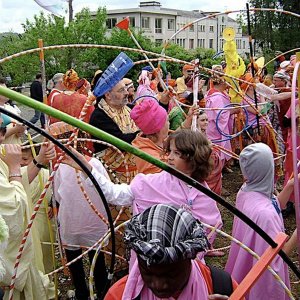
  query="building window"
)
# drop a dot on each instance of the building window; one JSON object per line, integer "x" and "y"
{"x": 111, "y": 23}
{"x": 211, "y": 28}
{"x": 239, "y": 30}
{"x": 145, "y": 22}
{"x": 201, "y": 43}
{"x": 132, "y": 21}
{"x": 171, "y": 24}
{"x": 244, "y": 45}
{"x": 238, "y": 44}
{"x": 191, "y": 43}
{"x": 158, "y": 42}
{"x": 223, "y": 19}
{"x": 181, "y": 42}
{"x": 192, "y": 27}
{"x": 221, "y": 43}
{"x": 201, "y": 28}
{"x": 158, "y": 25}
{"x": 222, "y": 27}
{"x": 211, "y": 43}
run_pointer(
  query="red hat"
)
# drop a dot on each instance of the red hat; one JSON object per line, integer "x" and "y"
{"x": 149, "y": 116}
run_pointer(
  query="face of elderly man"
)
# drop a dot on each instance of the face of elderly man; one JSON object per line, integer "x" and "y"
{"x": 279, "y": 82}
{"x": 117, "y": 97}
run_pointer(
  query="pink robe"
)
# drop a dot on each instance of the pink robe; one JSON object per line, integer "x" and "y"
{"x": 163, "y": 188}
{"x": 288, "y": 163}
{"x": 260, "y": 209}
{"x": 216, "y": 99}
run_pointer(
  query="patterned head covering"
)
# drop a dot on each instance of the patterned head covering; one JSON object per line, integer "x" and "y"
{"x": 282, "y": 75}
{"x": 70, "y": 79}
{"x": 165, "y": 234}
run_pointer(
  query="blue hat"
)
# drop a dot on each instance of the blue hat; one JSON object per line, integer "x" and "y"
{"x": 113, "y": 74}
{"x": 147, "y": 68}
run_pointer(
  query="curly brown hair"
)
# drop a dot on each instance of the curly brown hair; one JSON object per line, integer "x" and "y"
{"x": 196, "y": 149}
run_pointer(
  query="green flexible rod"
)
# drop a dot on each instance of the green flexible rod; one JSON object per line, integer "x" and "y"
{"x": 80, "y": 124}
{"x": 128, "y": 148}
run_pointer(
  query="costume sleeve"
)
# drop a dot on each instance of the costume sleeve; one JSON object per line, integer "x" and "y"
{"x": 12, "y": 205}
{"x": 103, "y": 122}
{"x": 117, "y": 194}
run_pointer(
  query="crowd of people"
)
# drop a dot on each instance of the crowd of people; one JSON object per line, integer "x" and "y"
{"x": 164, "y": 245}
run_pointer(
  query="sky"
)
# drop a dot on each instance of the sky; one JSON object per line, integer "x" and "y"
{"x": 15, "y": 12}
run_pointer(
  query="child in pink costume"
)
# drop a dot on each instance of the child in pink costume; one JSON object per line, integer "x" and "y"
{"x": 256, "y": 200}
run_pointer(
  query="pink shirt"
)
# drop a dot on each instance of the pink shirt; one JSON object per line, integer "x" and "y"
{"x": 163, "y": 188}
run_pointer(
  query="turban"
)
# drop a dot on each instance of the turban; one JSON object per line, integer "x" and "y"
{"x": 284, "y": 64}
{"x": 165, "y": 234}
{"x": 282, "y": 75}
{"x": 70, "y": 79}
{"x": 247, "y": 77}
{"x": 149, "y": 116}
{"x": 187, "y": 67}
{"x": 148, "y": 69}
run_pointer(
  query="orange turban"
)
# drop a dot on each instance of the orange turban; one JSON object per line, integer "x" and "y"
{"x": 247, "y": 77}
{"x": 70, "y": 79}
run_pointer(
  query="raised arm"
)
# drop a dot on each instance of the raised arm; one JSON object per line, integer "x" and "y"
{"x": 117, "y": 194}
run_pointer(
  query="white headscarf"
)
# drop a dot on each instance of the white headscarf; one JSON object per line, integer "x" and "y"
{"x": 257, "y": 165}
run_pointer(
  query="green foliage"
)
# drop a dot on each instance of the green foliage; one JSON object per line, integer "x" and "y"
{"x": 276, "y": 31}
{"x": 55, "y": 31}
{"x": 176, "y": 51}
{"x": 242, "y": 21}
{"x": 122, "y": 38}
{"x": 83, "y": 30}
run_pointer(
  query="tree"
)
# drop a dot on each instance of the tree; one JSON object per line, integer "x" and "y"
{"x": 276, "y": 31}
{"x": 82, "y": 30}
{"x": 55, "y": 31}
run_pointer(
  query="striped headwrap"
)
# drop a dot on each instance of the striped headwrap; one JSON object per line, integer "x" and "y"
{"x": 165, "y": 234}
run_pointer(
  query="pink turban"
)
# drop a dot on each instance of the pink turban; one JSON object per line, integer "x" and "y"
{"x": 149, "y": 116}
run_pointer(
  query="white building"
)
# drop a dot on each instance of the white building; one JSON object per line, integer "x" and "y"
{"x": 160, "y": 24}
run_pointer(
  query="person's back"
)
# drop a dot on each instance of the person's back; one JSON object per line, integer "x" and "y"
{"x": 70, "y": 103}
{"x": 36, "y": 91}
{"x": 80, "y": 225}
